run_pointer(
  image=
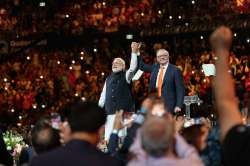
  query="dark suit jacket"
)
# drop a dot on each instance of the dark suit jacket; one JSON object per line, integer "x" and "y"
{"x": 75, "y": 153}
{"x": 173, "y": 90}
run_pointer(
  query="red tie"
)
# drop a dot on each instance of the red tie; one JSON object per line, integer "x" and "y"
{"x": 160, "y": 80}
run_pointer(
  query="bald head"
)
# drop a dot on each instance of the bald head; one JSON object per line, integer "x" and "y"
{"x": 157, "y": 136}
{"x": 162, "y": 57}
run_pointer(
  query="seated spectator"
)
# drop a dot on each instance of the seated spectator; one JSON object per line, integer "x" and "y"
{"x": 157, "y": 144}
{"x": 86, "y": 121}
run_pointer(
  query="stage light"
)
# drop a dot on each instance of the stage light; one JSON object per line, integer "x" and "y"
{"x": 186, "y": 24}
{"x": 129, "y": 36}
{"x": 19, "y": 124}
{"x": 82, "y": 53}
{"x": 34, "y": 106}
{"x": 104, "y": 3}
{"x": 193, "y": 2}
{"x": 42, "y": 4}
{"x": 58, "y": 62}
{"x": 248, "y": 40}
{"x": 5, "y": 79}
{"x": 193, "y": 72}
{"x": 73, "y": 62}
{"x": 28, "y": 58}
{"x": 95, "y": 50}
{"x": 87, "y": 72}
{"x": 20, "y": 117}
{"x": 70, "y": 68}
{"x": 81, "y": 57}
{"x": 170, "y": 17}
{"x": 235, "y": 34}
{"x": 43, "y": 106}
{"x": 103, "y": 73}
{"x": 12, "y": 110}
{"x": 6, "y": 88}
{"x": 41, "y": 77}
{"x": 201, "y": 37}
{"x": 66, "y": 16}
{"x": 142, "y": 14}
{"x": 76, "y": 94}
{"x": 179, "y": 17}
{"x": 83, "y": 99}
{"x": 159, "y": 12}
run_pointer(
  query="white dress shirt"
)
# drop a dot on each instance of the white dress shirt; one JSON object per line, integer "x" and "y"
{"x": 164, "y": 71}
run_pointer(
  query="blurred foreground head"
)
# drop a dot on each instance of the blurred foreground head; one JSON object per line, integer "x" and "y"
{"x": 86, "y": 120}
{"x": 157, "y": 136}
{"x": 43, "y": 137}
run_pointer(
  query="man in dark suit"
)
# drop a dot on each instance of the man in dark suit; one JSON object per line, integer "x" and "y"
{"x": 166, "y": 79}
{"x": 86, "y": 121}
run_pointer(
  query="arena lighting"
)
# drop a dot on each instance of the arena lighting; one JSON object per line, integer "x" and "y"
{"x": 202, "y": 37}
{"x": 41, "y": 77}
{"x": 34, "y": 106}
{"x": 193, "y": 2}
{"x": 73, "y": 62}
{"x": 81, "y": 58}
{"x": 179, "y": 17}
{"x": 192, "y": 72}
{"x": 19, "y": 124}
{"x": 70, "y": 68}
{"x": 103, "y": 73}
{"x": 20, "y": 117}
{"x": 104, "y": 3}
{"x": 248, "y": 40}
{"x": 95, "y": 50}
{"x": 66, "y": 16}
{"x": 159, "y": 12}
{"x": 42, "y": 4}
{"x": 83, "y": 99}
{"x": 5, "y": 79}
{"x": 87, "y": 72}
{"x": 76, "y": 94}
{"x": 28, "y": 58}
{"x": 235, "y": 34}
{"x": 170, "y": 17}
{"x": 186, "y": 24}
{"x": 142, "y": 14}
{"x": 43, "y": 106}
{"x": 12, "y": 110}
{"x": 58, "y": 62}
{"x": 82, "y": 53}
{"x": 129, "y": 36}
{"x": 5, "y": 88}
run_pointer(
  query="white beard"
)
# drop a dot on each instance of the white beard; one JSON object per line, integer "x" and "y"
{"x": 116, "y": 70}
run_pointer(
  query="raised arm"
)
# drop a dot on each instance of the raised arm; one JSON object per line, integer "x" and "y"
{"x": 144, "y": 67}
{"x": 102, "y": 99}
{"x": 133, "y": 62}
{"x": 226, "y": 100}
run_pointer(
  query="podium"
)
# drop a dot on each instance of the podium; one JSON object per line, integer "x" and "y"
{"x": 188, "y": 100}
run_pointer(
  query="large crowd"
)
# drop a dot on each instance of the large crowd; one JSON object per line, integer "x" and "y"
{"x": 40, "y": 82}
{"x": 154, "y": 136}
{"x": 74, "y": 17}
{"x": 43, "y": 81}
